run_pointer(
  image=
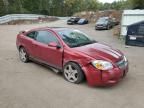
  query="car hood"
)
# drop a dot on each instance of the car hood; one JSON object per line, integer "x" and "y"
{"x": 100, "y": 51}
{"x": 101, "y": 23}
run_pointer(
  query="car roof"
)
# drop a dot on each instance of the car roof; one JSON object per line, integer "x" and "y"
{"x": 74, "y": 17}
{"x": 82, "y": 19}
{"x": 104, "y": 18}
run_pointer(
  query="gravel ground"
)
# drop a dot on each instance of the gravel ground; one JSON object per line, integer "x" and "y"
{"x": 34, "y": 86}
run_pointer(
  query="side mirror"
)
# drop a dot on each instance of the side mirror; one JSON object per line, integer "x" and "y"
{"x": 54, "y": 44}
{"x": 22, "y": 32}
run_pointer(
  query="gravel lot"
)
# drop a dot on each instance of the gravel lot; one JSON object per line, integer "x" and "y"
{"x": 34, "y": 86}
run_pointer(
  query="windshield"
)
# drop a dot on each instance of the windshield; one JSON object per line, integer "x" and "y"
{"x": 102, "y": 20}
{"x": 75, "y": 38}
{"x": 81, "y": 20}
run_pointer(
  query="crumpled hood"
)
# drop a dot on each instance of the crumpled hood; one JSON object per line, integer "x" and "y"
{"x": 100, "y": 51}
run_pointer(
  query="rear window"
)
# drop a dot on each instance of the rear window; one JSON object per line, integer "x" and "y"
{"x": 32, "y": 34}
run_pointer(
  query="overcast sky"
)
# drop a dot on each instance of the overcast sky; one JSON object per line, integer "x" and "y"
{"x": 108, "y": 1}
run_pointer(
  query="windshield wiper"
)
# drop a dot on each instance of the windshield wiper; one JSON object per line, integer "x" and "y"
{"x": 86, "y": 43}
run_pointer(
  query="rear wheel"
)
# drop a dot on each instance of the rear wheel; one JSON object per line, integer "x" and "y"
{"x": 73, "y": 73}
{"x": 23, "y": 55}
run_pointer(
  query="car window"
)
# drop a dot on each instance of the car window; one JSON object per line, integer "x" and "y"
{"x": 46, "y": 37}
{"x": 32, "y": 34}
{"x": 81, "y": 20}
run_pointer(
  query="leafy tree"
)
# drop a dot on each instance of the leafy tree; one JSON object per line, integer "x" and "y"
{"x": 117, "y": 5}
{"x": 136, "y": 4}
{"x": 63, "y": 7}
{"x": 1, "y": 7}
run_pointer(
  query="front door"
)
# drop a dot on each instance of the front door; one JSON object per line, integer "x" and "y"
{"x": 48, "y": 54}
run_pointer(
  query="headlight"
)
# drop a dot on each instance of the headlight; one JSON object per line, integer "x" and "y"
{"x": 102, "y": 65}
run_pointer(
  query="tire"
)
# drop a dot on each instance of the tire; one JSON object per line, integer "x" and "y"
{"x": 96, "y": 28}
{"x": 73, "y": 73}
{"x": 108, "y": 27}
{"x": 23, "y": 55}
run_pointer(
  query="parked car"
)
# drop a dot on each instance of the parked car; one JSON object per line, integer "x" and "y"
{"x": 82, "y": 21}
{"x": 104, "y": 23}
{"x": 73, "y": 20}
{"x": 135, "y": 34}
{"x": 74, "y": 53}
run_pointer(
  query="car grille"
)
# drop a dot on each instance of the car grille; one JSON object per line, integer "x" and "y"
{"x": 99, "y": 25}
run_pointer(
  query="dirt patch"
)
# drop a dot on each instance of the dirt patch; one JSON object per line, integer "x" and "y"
{"x": 116, "y": 31}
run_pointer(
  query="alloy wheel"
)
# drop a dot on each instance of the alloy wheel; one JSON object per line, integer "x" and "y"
{"x": 70, "y": 73}
{"x": 23, "y": 55}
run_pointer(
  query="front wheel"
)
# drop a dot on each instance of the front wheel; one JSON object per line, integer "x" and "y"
{"x": 23, "y": 55}
{"x": 108, "y": 27}
{"x": 73, "y": 73}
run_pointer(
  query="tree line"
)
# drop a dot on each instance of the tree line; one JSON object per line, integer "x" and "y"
{"x": 64, "y": 7}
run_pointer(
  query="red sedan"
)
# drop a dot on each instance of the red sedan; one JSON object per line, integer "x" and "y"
{"x": 75, "y": 54}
